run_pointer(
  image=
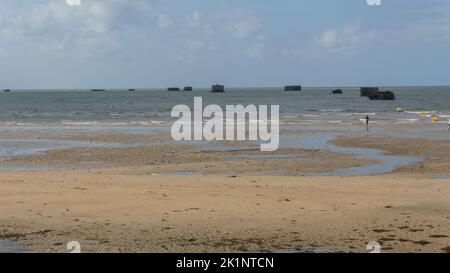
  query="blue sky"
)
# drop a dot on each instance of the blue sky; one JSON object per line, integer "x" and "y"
{"x": 158, "y": 43}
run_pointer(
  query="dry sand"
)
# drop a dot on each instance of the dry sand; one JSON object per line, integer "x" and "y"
{"x": 107, "y": 211}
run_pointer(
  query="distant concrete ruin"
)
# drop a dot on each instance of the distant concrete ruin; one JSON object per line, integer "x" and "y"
{"x": 173, "y": 89}
{"x": 293, "y": 88}
{"x": 382, "y": 95}
{"x": 367, "y": 91}
{"x": 337, "y": 92}
{"x": 374, "y": 93}
{"x": 217, "y": 88}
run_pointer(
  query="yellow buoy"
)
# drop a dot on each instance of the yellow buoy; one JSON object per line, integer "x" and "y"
{"x": 399, "y": 109}
{"x": 434, "y": 119}
{"x": 422, "y": 114}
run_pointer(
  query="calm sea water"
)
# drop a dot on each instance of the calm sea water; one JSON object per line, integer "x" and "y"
{"x": 153, "y": 106}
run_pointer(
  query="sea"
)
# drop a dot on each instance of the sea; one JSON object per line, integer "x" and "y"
{"x": 153, "y": 106}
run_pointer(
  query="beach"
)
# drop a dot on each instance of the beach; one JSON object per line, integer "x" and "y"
{"x": 122, "y": 184}
{"x": 159, "y": 196}
{"x": 107, "y": 211}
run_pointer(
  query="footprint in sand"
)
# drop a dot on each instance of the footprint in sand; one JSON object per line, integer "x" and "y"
{"x": 381, "y": 230}
{"x": 437, "y": 236}
{"x": 446, "y": 249}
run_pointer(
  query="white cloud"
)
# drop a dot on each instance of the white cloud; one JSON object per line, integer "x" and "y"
{"x": 350, "y": 39}
{"x": 93, "y": 28}
{"x": 164, "y": 21}
{"x": 261, "y": 37}
{"x": 237, "y": 32}
{"x": 243, "y": 24}
{"x": 193, "y": 19}
{"x": 256, "y": 51}
{"x": 194, "y": 44}
{"x": 104, "y": 27}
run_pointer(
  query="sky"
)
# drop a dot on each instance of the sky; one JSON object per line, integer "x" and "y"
{"x": 240, "y": 43}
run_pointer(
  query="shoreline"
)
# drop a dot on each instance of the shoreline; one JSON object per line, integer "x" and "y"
{"x": 336, "y": 151}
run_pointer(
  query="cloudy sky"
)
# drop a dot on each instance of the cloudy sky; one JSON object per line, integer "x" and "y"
{"x": 157, "y": 43}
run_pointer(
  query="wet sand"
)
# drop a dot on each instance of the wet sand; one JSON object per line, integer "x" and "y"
{"x": 12, "y": 246}
{"x": 434, "y": 154}
{"x": 223, "y": 158}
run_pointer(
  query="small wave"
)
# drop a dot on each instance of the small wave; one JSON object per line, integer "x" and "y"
{"x": 332, "y": 110}
{"x": 151, "y": 122}
{"x": 112, "y": 123}
{"x": 358, "y": 114}
{"x": 117, "y": 114}
{"x": 80, "y": 123}
{"x": 420, "y": 112}
{"x": 15, "y": 123}
{"x": 408, "y": 120}
{"x": 311, "y": 116}
{"x": 79, "y": 113}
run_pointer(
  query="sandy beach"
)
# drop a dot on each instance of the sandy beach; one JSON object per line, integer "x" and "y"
{"x": 107, "y": 211}
{"x": 157, "y": 196}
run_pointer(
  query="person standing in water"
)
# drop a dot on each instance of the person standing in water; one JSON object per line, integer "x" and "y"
{"x": 367, "y": 121}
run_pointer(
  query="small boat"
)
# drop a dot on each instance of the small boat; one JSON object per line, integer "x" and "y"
{"x": 187, "y": 88}
{"x": 173, "y": 89}
{"x": 98, "y": 90}
{"x": 131, "y": 90}
{"x": 7, "y": 90}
